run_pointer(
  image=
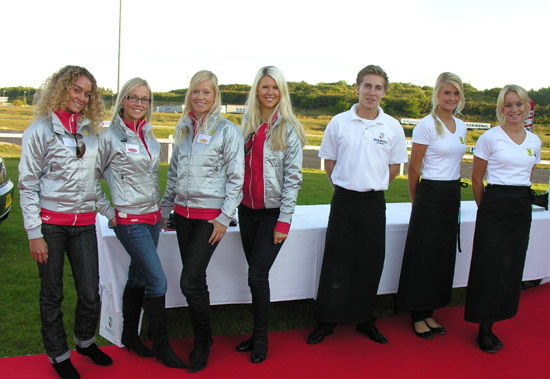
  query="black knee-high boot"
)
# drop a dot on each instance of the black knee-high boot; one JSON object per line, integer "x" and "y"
{"x": 132, "y": 300}
{"x": 200, "y": 319}
{"x": 154, "y": 309}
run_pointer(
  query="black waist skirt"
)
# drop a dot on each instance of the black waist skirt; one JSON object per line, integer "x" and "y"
{"x": 428, "y": 267}
{"x": 500, "y": 245}
{"x": 354, "y": 257}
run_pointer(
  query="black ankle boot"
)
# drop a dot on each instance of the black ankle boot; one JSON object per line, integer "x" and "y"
{"x": 259, "y": 352}
{"x": 132, "y": 300}
{"x": 154, "y": 308}
{"x": 66, "y": 370}
{"x": 96, "y": 355}
{"x": 245, "y": 346}
{"x": 198, "y": 358}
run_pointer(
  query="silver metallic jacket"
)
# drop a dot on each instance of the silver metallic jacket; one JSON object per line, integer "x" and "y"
{"x": 207, "y": 174}
{"x": 52, "y": 177}
{"x": 282, "y": 172}
{"x": 132, "y": 175}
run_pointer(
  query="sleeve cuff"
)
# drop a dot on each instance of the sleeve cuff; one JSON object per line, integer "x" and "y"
{"x": 282, "y": 227}
{"x": 35, "y": 233}
{"x": 110, "y": 213}
{"x": 165, "y": 212}
{"x": 223, "y": 219}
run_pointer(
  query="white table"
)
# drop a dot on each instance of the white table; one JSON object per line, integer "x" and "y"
{"x": 296, "y": 271}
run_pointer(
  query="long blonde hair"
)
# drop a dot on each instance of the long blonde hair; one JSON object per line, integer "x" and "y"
{"x": 252, "y": 121}
{"x": 128, "y": 87}
{"x": 198, "y": 78}
{"x": 54, "y": 94}
{"x": 442, "y": 79}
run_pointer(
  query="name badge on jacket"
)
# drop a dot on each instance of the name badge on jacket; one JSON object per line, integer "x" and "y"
{"x": 203, "y": 139}
{"x": 130, "y": 148}
{"x": 69, "y": 142}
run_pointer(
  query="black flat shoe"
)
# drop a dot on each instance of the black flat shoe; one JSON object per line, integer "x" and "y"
{"x": 428, "y": 335}
{"x": 66, "y": 370}
{"x": 96, "y": 355}
{"x": 318, "y": 335}
{"x": 370, "y": 330}
{"x": 438, "y": 330}
{"x": 496, "y": 341}
{"x": 259, "y": 352}
{"x": 245, "y": 346}
{"x": 486, "y": 345}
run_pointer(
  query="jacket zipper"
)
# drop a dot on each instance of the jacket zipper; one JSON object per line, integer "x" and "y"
{"x": 251, "y": 172}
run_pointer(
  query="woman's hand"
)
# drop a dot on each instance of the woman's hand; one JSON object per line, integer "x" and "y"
{"x": 112, "y": 222}
{"x": 39, "y": 250}
{"x": 279, "y": 237}
{"x": 164, "y": 224}
{"x": 217, "y": 233}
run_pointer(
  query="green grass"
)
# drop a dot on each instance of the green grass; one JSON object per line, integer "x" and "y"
{"x": 19, "y": 313}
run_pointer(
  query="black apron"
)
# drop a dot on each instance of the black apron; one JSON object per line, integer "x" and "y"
{"x": 353, "y": 258}
{"x": 428, "y": 267}
{"x": 500, "y": 245}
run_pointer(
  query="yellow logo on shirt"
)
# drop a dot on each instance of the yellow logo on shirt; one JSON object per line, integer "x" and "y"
{"x": 86, "y": 132}
{"x": 529, "y": 152}
{"x": 212, "y": 132}
{"x": 461, "y": 140}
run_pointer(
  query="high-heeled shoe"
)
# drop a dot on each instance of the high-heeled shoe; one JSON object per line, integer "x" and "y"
{"x": 428, "y": 335}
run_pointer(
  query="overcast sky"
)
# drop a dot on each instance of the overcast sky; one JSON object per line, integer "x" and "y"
{"x": 488, "y": 43}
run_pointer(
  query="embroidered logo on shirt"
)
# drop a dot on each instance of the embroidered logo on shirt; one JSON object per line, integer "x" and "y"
{"x": 461, "y": 140}
{"x": 530, "y": 152}
{"x": 380, "y": 140}
{"x": 86, "y": 132}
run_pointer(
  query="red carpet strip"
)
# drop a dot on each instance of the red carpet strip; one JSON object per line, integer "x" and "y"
{"x": 348, "y": 354}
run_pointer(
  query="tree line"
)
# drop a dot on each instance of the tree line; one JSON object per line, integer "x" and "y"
{"x": 402, "y": 99}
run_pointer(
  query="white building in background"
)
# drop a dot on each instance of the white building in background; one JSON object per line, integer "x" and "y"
{"x": 469, "y": 125}
{"x": 169, "y": 108}
{"x": 229, "y": 108}
{"x": 3, "y": 99}
{"x": 240, "y": 109}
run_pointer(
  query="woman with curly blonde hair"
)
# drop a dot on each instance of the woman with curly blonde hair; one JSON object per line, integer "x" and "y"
{"x": 59, "y": 195}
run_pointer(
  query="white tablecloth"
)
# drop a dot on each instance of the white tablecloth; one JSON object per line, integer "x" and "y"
{"x": 296, "y": 271}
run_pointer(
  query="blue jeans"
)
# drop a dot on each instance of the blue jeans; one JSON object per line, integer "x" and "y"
{"x": 196, "y": 251}
{"x": 140, "y": 241}
{"x": 257, "y": 227}
{"x": 80, "y": 245}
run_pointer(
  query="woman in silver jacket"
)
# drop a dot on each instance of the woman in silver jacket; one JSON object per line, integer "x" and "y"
{"x": 273, "y": 176}
{"x": 59, "y": 194}
{"x": 204, "y": 189}
{"x": 130, "y": 157}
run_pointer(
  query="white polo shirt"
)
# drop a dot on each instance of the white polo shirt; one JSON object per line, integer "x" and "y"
{"x": 507, "y": 162}
{"x": 363, "y": 149}
{"x": 444, "y": 153}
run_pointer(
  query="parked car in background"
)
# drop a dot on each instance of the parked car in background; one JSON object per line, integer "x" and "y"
{"x": 6, "y": 192}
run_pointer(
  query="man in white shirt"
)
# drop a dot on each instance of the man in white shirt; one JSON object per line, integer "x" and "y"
{"x": 363, "y": 149}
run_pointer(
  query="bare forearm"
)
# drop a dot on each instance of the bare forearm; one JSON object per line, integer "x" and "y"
{"x": 329, "y": 167}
